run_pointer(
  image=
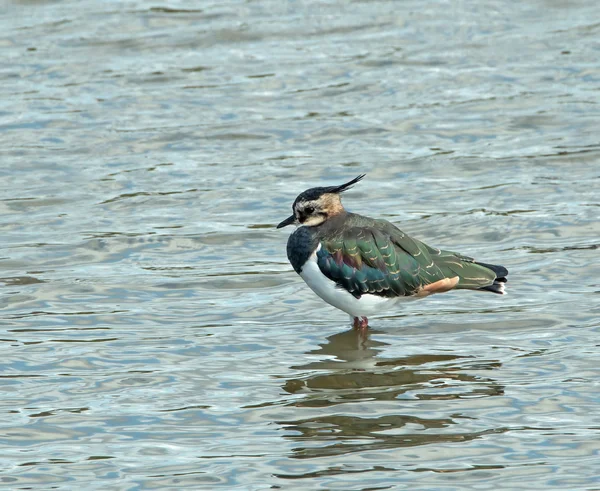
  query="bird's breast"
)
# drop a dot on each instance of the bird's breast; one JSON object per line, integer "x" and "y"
{"x": 301, "y": 245}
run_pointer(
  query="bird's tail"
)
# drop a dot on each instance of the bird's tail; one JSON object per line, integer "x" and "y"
{"x": 472, "y": 275}
{"x": 499, "y": 282}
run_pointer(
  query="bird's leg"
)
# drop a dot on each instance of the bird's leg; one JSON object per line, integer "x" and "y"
{"x": 361, "y": 323}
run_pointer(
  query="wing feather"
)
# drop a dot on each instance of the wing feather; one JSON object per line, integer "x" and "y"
{"x": 382, "y": 260}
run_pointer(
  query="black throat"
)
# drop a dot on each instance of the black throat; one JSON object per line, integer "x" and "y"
{"x": 300, "y": 246}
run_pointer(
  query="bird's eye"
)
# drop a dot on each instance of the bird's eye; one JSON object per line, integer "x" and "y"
{"x": 309, "y": 210}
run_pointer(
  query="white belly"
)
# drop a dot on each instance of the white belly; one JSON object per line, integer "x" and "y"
{"x": 366, "y": 305}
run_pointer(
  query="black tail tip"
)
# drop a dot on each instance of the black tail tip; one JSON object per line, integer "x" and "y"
{"x": 501, "y": 271}
{"x": 496, "y": 287}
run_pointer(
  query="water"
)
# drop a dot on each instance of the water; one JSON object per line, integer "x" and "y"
{"x": 154, "y": 335}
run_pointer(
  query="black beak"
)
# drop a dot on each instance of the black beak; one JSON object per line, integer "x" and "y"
{"x": 287, "y": 221}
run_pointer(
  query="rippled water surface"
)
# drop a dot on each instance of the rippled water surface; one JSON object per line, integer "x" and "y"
{"x": 154, "y": 335}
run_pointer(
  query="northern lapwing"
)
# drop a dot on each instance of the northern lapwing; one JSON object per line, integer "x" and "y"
{"x": 362, "y": 265}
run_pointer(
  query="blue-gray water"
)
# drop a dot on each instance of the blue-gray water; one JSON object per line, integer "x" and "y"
{"x": 154, "y": 335}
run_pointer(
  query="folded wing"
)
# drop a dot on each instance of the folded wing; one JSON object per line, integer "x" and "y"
{"x": 382, "y": 260}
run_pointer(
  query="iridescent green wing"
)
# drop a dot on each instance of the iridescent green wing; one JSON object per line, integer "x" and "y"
{"x": 366, "y": 260}
{"x": 436, "y": 264}
{"x": 382, "y": 260}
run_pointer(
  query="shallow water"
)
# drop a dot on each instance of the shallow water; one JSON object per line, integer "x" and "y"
{"x": 154, "y": 335}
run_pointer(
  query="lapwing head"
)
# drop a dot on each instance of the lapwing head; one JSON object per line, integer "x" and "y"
{"x": 315, "y": 205}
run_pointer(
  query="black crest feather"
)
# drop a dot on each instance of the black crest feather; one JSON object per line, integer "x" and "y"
{"x": 315, "y": 193}
{"x": 346, "y": 186}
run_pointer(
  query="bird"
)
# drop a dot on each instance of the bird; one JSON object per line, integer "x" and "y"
{"x": 364, "y": 265}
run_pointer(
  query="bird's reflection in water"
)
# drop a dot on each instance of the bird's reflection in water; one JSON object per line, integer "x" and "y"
{"x": 353, "y": 349}
{"x": 351, "y": 372}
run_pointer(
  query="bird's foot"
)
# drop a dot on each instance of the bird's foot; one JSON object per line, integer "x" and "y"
{"x": 361, "y": 323}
